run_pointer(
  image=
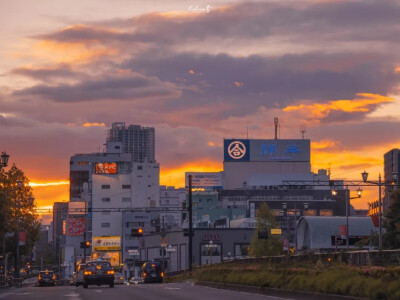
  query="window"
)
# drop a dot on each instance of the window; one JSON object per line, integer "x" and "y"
{"x": 82, "y": 163}
{"x": 326, "y": 212}
{"x": 105, "y": 186}
{"x": 105, "y": 212}
{"x": 105, "y": 225}
{"x": 126, "y": 186}
{"x": 139, "y": 167}
{"x": 105, "y": 199}
{"x": 126, "y": 199}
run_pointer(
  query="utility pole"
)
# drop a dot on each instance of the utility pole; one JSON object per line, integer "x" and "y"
{"x": 190, "y": 224}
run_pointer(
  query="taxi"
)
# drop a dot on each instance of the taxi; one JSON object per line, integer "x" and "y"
{"x": 98, "y": 272}
{"x": 46, "y": 278}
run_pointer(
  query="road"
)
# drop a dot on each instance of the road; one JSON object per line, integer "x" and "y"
{"x": 167, "y": 291}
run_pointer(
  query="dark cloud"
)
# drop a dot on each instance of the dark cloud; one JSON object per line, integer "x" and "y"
{"x": 301, "y": 21}
{"x": 47, "y": 74}
{"x": 125, "y": 87}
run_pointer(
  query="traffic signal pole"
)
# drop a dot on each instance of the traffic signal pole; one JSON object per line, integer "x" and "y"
{"x": 84, "y": 248}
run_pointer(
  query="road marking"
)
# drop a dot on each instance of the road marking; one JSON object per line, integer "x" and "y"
{"x": 73, "y": 294}
{"x": 171, "y": 288}
{"x": 99, "y": 291}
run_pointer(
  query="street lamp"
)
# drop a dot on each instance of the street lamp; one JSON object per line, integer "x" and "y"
{"x": 379, "y": 184}
{"x": 348, "y": 198}
{"x": 4, "y": 159}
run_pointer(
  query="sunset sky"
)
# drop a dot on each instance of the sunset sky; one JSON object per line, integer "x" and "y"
{"x": 68, "y": 69}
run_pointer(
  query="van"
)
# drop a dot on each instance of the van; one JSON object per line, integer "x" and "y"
{"x": 152, "y": 272}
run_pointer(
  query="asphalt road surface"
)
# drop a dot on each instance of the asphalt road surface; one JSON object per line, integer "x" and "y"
{"x": 166, "y": 291}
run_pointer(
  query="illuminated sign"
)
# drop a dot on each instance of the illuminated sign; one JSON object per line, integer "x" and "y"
{"x": 106, "y": 168}
{"x": 267, "y": 150}
{"x": 204, "y": 180}
{"x": 107, "y": 243}
{"x": 76, "y": 226}
{"x": 112, "y": 257}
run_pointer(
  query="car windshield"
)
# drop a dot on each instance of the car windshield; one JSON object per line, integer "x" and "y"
{"x": 81, "y": 267}
{"x": 98, "y": 265}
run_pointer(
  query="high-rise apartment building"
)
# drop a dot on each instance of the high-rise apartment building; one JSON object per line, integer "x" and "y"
{"x": 391, "y": 165}
{"x": 137, "y": 140}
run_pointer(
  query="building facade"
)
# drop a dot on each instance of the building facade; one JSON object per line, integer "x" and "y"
{"x": 391, "y": 165}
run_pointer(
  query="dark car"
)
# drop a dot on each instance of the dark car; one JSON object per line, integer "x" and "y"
{"x": 79, "y": 274}
{"x": 46, "y": 278}
{"x": 152, "y": 272}
{"x": 98, "y": 272}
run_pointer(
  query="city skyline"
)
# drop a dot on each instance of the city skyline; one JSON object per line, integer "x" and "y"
{"x": 198, "y": 72}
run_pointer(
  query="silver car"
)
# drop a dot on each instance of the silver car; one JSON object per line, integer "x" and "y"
{"x": 79, "y": 274}
{"x": 118, "y": 279}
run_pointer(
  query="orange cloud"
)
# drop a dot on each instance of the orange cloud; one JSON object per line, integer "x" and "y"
{"x": 68, "y": 52}
{"x": 238, "y": 84}
{"x": 323, "y": 144}
{"x": 321, "y": 110}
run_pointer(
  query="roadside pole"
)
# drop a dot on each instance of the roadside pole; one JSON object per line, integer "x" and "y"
{"x": 190, "y": 224}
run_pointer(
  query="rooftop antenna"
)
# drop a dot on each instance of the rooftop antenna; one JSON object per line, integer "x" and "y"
{"x": 276, "y": 127}
{"x": 303, "y": 131}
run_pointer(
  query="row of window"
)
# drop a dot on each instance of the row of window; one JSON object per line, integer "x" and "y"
{"x": 124, "y": 199}
{"x": 124, "y": 186}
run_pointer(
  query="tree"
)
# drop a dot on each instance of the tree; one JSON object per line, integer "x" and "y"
{"x": 17, "y": 210}
{"x": 265, "y": 247}
{"x": 392, "y": 222}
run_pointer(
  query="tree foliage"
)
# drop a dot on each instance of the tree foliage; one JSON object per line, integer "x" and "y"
{"x": 17, "y": 210}
{"x": 265, "y": 221}
{"x": 392, "y": 222}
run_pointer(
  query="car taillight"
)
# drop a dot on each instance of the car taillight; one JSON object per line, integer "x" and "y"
{"x": 162, "y": 274}
{"x": 54, "y": 276}
{"x": 110, "y": 272}
{"x": 144, "y": 274}
{"x": 40, "y": 277}
{"x": 88, "y": 273}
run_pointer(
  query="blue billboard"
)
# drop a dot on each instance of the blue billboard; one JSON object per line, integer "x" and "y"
{"x": 236, "y": 150}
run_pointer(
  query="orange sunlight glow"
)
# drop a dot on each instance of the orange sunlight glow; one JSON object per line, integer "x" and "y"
{"x": 176, "y": 176}
{"x": 360, "y": 104}
{"x": 94, "y": 124}
{"x": 36, "y": 184}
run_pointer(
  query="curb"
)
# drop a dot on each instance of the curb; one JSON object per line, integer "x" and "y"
{"x": 300, "y": 295}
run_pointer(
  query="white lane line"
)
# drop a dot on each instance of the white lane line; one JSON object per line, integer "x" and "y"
{"x": 172, "y": 288}
{"x": 99, "y": 291}
{"x": 73, "y": 294}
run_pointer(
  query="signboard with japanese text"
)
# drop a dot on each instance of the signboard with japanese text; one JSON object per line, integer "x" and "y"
{"x": 204, "y": 180}
{"x": 113, "y": 257}
{"x": 106, "y": 168}
{"x": 106, "y": 243}
{"x": 267, "y": 150}
{"x": 76, "y": 226}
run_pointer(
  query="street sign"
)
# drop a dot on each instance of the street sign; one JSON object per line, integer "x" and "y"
{"x": 276, "y": 231}
{"x": 211, "y": 246}
{"x": 170, "y": 249}
{"x": 133, "y": 252}
{"x": 164, "y": 242}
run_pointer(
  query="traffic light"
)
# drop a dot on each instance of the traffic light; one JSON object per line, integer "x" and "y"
{"x": 85, "y": 244}
{"x": 263, "y": 235}
{"x": 137, "y": 232}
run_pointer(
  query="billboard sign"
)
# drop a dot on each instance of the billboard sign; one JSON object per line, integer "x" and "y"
{"x": 76, "y": 226}
{"x": 106, "y": 243}
{"x": 267, "y": 150}
{"x": 112, "y": 257}
{"x": 236, "y": 150}
{"x": 106, "y": 168}
{"x": 204, "y": 180}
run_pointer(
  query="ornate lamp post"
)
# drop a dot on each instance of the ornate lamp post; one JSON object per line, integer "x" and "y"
{"x": 379, "y": 184}
{"x": 4, "y": 159}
